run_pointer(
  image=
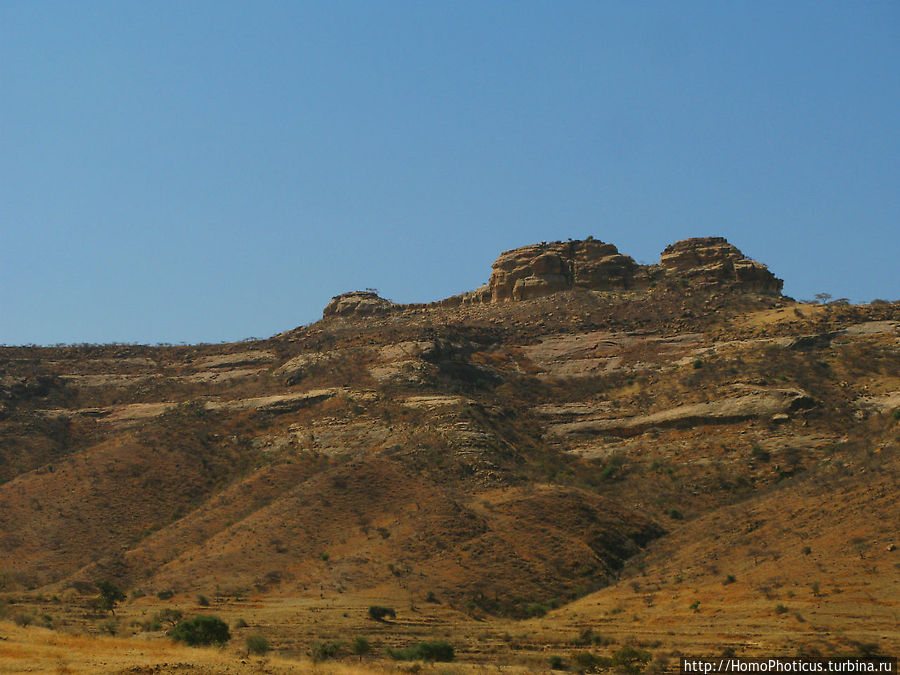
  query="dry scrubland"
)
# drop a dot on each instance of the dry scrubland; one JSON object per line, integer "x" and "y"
{"x": 666, "y": 463}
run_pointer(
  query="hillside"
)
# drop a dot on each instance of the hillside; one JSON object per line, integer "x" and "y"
{"x": 673, "y": 456}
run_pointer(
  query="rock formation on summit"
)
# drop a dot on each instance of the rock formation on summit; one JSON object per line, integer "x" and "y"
{"x": 714, "y": 260}
{"x": 542, "y": 269}
{"x": 359, "y": 303}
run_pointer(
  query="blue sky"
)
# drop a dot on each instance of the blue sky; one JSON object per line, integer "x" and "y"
{"x": 206, "y": 171}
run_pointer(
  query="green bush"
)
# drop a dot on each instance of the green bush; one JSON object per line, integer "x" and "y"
{"x": 360, "y": 646}
{"x": 379, "y": 613}
{"x": 257, "y": 644}
{"x": 630, "y": 660}
{"x": 201, "y": 630}
{"x": 169, "y": 616}
{"x": 424, "y": 651}
{"x": 321, "y": 651}
{"x": 557, "y": 663}
{"x": 535, "y": 609}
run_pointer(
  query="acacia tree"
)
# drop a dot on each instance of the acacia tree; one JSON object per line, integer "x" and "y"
{"x": 109, "y": 597}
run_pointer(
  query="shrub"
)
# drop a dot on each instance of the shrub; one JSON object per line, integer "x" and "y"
{"x": 424, "y": 651}
{"x": 758, "y": 453}
{"x": 321, "y": 651}
{"x": 202, "y": 600}
{"x": 23, "y": 619}
{"x": 165, "y": 595}
{"x": 169, "y": 616}
{"x": 379, "y": 613}
{"x": 201, "y": 630}
{"x": 535, "y": 609}
{"x": 557, "y": 663}
{"x": 257, "y": 644}
{"x": 730, "y": 579}
{"x": 110, "y": 626}
{"x": 780, "y": 609}
{"x": 630, "y": 660}
{"x": 240, "y": 623}
{"x": 592, "y": 663}
{"x": 360, "y": 646}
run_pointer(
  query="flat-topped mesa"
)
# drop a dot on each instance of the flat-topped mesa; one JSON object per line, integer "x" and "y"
{"x": 542, "y": 269}
{"x": 358, "y": 303}
{"x": 712, "y": 260}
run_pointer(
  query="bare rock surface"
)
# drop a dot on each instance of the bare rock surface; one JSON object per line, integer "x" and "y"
{"x": 760, "y": 403}
{"x": 542, "y": 269}
{"x": 235, "y": 359}
{"x": 713, "y": 260}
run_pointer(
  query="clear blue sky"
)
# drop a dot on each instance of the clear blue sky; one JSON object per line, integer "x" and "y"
{"x": 205, "y": 171}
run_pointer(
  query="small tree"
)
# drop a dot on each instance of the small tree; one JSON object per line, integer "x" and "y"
{"x": 109, "y": 597}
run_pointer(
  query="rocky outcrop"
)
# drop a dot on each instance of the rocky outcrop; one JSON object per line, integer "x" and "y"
{"x": 712, "y": 260}
{"x": 357, "y": 303}
{"x": 542, "y": 269}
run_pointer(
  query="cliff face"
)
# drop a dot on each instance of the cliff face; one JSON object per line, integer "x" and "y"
{"x": 546, "y": 268}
